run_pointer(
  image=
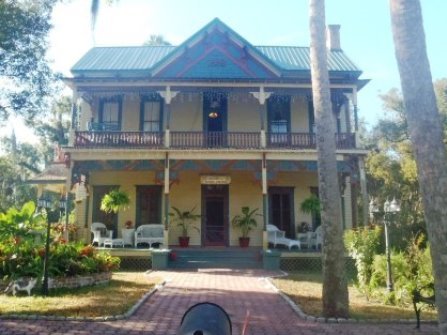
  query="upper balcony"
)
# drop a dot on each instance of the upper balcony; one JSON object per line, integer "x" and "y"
{"x": 198, "y": 140}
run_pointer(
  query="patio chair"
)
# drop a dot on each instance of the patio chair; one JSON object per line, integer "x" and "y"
{"x": 316, "y": 239}
{"x": 150, "y": 234}
{"x": 276, "y": 236}
{"x": 100, "y": 233}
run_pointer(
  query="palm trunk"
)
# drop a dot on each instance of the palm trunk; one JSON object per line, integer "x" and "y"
{"x": 426, "y": 135}
{"x": 335, "y": 289}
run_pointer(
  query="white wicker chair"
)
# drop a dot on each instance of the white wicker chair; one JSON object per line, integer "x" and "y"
{"x": 316, "y": 239}
{"x": 150, "y": 234}
{"x": 276, "y": 236}
{"x": 100, "y": 233}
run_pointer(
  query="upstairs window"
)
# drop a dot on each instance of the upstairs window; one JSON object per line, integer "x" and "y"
{"x": 151, "y": 114}
{"x": 278, "y": 107}
{"x": 110, "y": 114}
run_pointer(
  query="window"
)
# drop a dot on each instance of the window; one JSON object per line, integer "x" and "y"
{"x": 110, "y": 114}
{"x": 151, "y": 114}
{"x": 278, "y": 110}
{"x": 148, "y": 205}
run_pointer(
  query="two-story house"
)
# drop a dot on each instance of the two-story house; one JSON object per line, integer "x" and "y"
{"x": 214, "y": 123}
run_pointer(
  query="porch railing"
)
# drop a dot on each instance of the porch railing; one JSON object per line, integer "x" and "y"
{"x": 122, "y": 139}
{"x": 205, "y": 140}
{"x": 306, "y": 140}
{"x": 215, "y": 140}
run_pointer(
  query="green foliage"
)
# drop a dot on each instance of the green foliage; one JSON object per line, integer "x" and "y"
{"x": 21, "y": 223}
{"x": 185, "y": 219}
{"x": 311, "y": 205}
{"x": 22, "y": 248}
{"x": 24, "y": 71}
{"x": 411, "y": 270}
{"x": 392, "y": 172}
{"x": 362, "y": 245}
{"x": 245, "y": 221}
{"x": 115, "y": 201}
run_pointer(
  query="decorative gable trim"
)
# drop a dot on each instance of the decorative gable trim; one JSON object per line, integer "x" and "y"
{"x": 216, "y": 28}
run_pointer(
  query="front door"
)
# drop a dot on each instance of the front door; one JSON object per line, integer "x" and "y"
{"x": 215, "y": 215}
{"x": 215, "y": 119}
{"x": 281, "y": 209}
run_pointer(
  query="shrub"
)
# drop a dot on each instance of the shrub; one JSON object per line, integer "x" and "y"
{"x": 22, "y": 254}
{"x": 362, "y": 245}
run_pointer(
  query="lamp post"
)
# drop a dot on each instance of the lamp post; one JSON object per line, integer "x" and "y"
{"x": 64, "y": 203}
{"x": 45, "y": 203}
{"x": 390, "y": 208}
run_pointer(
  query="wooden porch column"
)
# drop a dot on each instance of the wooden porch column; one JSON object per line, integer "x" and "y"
{"x": 74, "y": 117}
{"x": 265, "y": 204}
{"x": 363, "y": 191}
{"x": 167, "y": 96}
{"x": 166, "y": 202}
{"x": 262, "y": 96}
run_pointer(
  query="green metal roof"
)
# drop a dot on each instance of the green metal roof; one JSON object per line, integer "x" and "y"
{"x": 121, "y": 58}
{"x": 298, "y": 58}
{"x": 143, "y": 58}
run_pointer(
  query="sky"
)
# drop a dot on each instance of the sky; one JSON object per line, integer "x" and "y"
{"x": 365, "y": 32}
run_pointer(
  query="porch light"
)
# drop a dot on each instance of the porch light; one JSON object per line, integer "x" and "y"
{"x": 44, "y": 202}
{"x": 63, "y": 204}
{"x": 213, "y": 115}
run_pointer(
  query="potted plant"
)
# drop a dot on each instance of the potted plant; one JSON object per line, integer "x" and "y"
{"x": 245, "y": 222}
{"x": 311, "y": 205}
{"x": 114, "y": 202}
{"x": 184, "y": 220}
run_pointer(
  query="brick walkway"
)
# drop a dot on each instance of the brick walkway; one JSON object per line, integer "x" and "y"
{"x": 235, "y": 290}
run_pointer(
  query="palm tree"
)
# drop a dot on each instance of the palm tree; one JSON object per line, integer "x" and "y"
{"x": 335, "y": 287}
{"x": 156, "y": 40}
{"x": 426, "y": 135}
{"x": 94, "y": 10}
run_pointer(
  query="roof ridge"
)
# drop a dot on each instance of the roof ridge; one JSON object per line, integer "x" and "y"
{"x": 280, "y": 46}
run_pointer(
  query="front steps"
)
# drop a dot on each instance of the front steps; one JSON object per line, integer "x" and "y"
{"x": 234, "y": 258}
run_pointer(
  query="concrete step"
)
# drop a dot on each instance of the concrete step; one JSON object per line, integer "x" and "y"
{"x": 210, "y": 258}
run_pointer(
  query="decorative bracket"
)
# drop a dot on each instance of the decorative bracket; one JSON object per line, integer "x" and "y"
{"x": 168, "y": 95}
{"x": 261, "y": 95}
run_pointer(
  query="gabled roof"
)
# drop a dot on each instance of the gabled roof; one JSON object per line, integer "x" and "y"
{"x": 150, "y": 61}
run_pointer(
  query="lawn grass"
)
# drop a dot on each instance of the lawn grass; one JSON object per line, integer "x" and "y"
{"x": 305, "y": 290}
{"x": 123, "y": 291}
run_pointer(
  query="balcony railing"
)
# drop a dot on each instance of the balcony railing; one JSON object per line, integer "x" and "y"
{"x": 121, "y": 139}
{"x": 215, "y": 140}
{"x": 205, "y": 140}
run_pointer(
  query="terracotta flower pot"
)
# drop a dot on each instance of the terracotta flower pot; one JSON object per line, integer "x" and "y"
{"x": 244, "y": 242}
{"x": 183, "y": 241}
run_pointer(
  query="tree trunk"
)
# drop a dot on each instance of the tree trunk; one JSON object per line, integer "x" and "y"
{"x": 335, "y": 288}
{"x": 426, "y": 135}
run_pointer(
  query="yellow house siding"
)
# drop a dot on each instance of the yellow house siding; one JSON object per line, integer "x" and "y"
{"x": 85, "y": 115}
{"x": 243, "y": 116}
{"x": 131, "y": 114}
{"x": 243, "y": 191}
{"x": 185, "y": 195}
{"x": 186, "y": 113}
{"x": 299, "y": 115}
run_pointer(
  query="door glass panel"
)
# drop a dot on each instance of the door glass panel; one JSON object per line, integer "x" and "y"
{"x": 215, "y": 214}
